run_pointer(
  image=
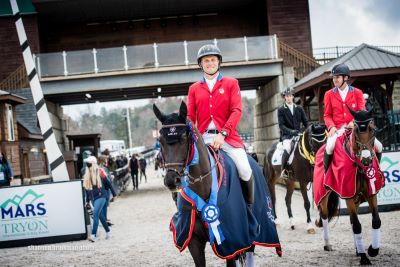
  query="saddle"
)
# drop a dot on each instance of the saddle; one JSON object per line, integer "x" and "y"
{"x": 241, "y": 226}
{"x": 342, "y": 173}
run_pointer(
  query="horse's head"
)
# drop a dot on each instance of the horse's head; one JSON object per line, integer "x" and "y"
{"x": 363, "y": 136}
{"x": 174, "y": 141}
{"x": 316, "y": 136}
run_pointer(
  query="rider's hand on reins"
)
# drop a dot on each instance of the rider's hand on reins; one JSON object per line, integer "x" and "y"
{"x": 218, "y": 141}
{"x": 332, "y": 131}
{"x": 350, "y": 125}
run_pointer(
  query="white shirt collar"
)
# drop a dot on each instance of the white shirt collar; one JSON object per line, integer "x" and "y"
{"x": 343, "y": 93}
{"x": 211, "y": 83}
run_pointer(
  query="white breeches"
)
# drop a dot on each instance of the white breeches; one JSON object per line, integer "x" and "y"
{"x": 330, "y": 143}
{"x": 287, "y": 145}
{"x": 237, "y": 154}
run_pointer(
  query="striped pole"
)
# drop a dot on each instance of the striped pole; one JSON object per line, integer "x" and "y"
{"x": 57, "y": 164}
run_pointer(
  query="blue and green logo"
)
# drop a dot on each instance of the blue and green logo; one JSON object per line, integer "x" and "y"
{"x": 390, "y": 170}
{"x": 23, "y": 216}
{"x": 28, "y": 205}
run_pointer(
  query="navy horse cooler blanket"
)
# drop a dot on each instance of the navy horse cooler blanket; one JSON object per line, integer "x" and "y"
{"x": 240, "y": 226}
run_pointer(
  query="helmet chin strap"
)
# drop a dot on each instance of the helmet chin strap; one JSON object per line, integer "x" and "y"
{"x": 344, "y": 80}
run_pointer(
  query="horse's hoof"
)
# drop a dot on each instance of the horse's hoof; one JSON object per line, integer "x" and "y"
{"x": 292, "y": 227}
{"x": 364, "y": 259}
{"x": 328, "y": 248}
{"x": 311, "y": 231}
{"x": 373, "y": 252}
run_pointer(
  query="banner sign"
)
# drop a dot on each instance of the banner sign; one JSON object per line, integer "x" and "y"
{"x": 42, "y": 211}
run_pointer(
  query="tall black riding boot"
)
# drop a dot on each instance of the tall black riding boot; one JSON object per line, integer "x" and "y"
{"x": 327, "y": 161}
{"x": 248, "y": 190}
{"x": 285, "y": 158}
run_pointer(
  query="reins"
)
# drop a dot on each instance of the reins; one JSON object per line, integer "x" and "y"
{"x": 183, "y": 171}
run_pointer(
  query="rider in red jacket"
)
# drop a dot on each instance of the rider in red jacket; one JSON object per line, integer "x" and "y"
{"x": 215, "y": 106}
{"x": 336, "y": 114}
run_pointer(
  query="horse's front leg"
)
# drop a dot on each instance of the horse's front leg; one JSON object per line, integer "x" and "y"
{"x": 288, "y": 200}
{"x": 307, "y": 205}
{"x": 271, "y": 186}
{"x": 357, "y": 232}
{"x": 373, "y": 249}
{"x": 196, "y": 247}
{"x": 323, "y": 221}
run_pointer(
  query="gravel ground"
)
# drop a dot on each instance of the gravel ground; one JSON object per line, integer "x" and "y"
{"x": 141, "y": 237}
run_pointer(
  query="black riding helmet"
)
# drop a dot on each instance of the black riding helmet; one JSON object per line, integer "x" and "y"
{"x": 209, "y": 50}
{"x": 340, "y": 69}
{"x": 288, "y": 91}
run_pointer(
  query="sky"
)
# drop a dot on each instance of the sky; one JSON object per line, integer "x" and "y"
{"x": 333, "y": 23}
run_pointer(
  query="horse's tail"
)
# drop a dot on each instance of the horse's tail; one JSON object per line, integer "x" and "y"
{"x": 333, "y": 208}
{"x": 268, "y": 168}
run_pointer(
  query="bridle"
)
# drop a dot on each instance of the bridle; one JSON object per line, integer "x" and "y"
{"x": 364, "y": 146}
{"x": 184, "y": 170}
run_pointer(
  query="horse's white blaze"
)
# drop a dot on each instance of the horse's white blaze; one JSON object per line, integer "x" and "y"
{"x": 365, "y": 153}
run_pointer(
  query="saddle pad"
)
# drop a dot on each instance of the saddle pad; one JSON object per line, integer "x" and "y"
{"x": 277, "y": 156}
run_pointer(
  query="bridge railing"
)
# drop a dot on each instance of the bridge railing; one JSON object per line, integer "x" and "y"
{"x": 69, "y": 63}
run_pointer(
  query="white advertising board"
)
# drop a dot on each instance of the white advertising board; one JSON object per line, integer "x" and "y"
{"x": 39, "y": 211}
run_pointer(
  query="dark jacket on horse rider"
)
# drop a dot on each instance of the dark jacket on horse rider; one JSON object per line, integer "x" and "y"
{"x": 289, "y": 124}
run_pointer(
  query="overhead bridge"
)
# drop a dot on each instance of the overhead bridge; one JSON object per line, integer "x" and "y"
{"x": 150, "y": 71}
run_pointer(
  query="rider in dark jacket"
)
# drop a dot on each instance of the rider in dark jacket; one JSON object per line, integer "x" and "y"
{"x": 290, "y": 116}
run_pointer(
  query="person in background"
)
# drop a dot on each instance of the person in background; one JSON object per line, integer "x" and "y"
{"x": 290, "y": 118}
{"x": 96, "y": 192}
{"x": 142, "y": 167}
{"x": 6, "y": 173}
{"x": 85, "y": 155}
{"x": 133, "y": 167}
{"x": 105, "y": 174}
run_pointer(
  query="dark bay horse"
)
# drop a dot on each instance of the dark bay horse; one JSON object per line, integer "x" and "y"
{"x": 177, "y": 145}
{"x": 359, "y": 152}
{"x": 301, "y": 170}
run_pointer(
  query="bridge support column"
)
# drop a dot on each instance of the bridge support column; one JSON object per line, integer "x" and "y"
{"x": 268, "y": 100}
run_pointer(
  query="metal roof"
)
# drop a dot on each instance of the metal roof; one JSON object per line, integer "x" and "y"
{"x": 362, "y": 58}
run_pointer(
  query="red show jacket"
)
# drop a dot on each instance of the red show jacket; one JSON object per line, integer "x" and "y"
{"x": 336, "y": 112}
{"x": 223, "y": 105}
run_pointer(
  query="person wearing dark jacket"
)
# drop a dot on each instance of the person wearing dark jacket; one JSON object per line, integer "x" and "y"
{"x": 142, "y": 167}
{"x": 290, "y": 116}
{"x": 6, "y": 173}
{"x": 96, "y": 192}
{"x": 133, "y": 167}
{"x": 105, "y": 174}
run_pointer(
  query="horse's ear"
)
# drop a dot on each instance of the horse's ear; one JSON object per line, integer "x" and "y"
{"x": 160, "y": 116}
{"x": 353, "y": 113}
{"x": 183, "y": 110}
